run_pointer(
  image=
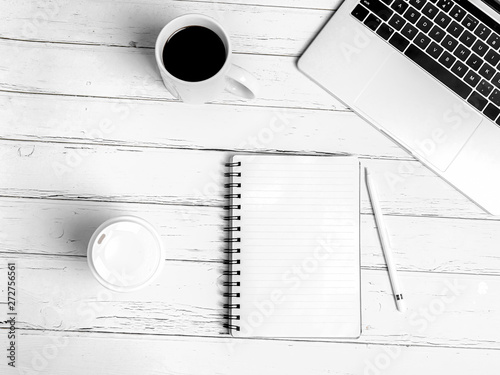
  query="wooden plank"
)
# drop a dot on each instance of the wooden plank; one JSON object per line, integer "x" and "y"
{"x": 419, "y": 243}
{"x": 311, "y": 4}
{"x": 253, "y": 29}
{"x": 64, "y": 353}
{"x": 132, "y": 73}
{"x": 65, "y": 227}
{"x": 192, "y": 177}
{"x": 59, "y": 293}
{"x": 171, "y": 125}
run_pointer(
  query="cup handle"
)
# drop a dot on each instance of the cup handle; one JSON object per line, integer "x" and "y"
{"x": 241, "y": 83}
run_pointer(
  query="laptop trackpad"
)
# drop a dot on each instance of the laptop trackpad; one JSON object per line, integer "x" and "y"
{"x": 418, "y": 111}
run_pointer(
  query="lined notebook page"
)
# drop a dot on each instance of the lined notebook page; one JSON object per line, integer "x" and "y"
{"x": 300, "y": 257}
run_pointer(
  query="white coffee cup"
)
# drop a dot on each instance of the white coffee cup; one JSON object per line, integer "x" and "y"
{"x": 230, "y": 77}
{"x": 125, "y": 254}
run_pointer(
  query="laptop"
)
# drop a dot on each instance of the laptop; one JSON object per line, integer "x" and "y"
{"x": 427, "y": 74}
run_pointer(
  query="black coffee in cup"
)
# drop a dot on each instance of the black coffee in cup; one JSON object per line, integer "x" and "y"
{"x": 194, "y": 54}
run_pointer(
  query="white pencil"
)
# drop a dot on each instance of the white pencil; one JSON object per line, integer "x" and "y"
{"x": 384, "y": 240}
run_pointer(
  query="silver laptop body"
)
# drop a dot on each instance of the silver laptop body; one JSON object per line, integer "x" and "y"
{"x": 390, "y": 88}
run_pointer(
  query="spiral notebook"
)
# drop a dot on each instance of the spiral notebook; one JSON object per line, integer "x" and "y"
{"x": 293, "y": 244}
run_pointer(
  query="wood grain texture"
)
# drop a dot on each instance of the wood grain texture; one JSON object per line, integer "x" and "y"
{"x": 117, "y": 72}
{"x": 168, "y": 125}
{"x": 63, "y": 353}
{"x": 195, "y": 233}
{"x": 311, "y": 4}
{"x": 61, "y": 294}
{"x": 138, "y": 23}
{"x": 192, "y": 177}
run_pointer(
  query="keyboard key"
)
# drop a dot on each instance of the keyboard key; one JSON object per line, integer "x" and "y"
{"x": 496, "y": 80}
{"x": 495, "y": 97}
{"x": 360, "y": 12}
{"x": 385, "y": 31}
{"x": 372, "y": 21}
{"x": 424, "y": 24}
{"x": 461, "y": 52}
{"x": 487, "y": 71}
{"x": 484, "y": 88}
{"x": 469, "y": 22}
{"x": 467, "y": 38}
{"x": 399, "y": 42}
{"x": 422, "y": 40}
{"x": 445, "y": 5}
{"x": 455, "y": 29}
{"x": 449, "y": 43}
{"x": 430, "y": 10}
{"x": 492, "y": 57}
{"x": 409, "y": 31}
{"x": 472, "y": 78}
{"x": 480, "y": 48}
{"x": 459, "y": 68}
{"x": 447, "y": 59}
{"x": 474, "y": 61}
{"x": 417, "y": 3}
{"x": 436, "y": 33}
{"x": 457, "y": 13}
{"x": 399, "y": 6}
{"x": 494, "y": 41}
{"x": 482, "y": 31}
{"x": 442, "y": 20}
{"x": 379, "y": 8}
{"x": 411, "y": 15}
{"x": 477, "y": 100}
{"x": 397, "y": 21}
{"x": 438, "y": 71}
{"x": 491, "y": 111}
{"x": 434, "y": 50}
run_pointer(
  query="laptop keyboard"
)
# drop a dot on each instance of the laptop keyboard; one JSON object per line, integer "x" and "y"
{"x": 454, "y": 41}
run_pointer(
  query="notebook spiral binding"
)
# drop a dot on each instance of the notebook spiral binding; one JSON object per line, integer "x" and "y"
{"x": 232, "y": 249}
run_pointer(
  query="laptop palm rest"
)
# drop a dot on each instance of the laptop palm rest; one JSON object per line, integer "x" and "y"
{"x": 418, "y": 112}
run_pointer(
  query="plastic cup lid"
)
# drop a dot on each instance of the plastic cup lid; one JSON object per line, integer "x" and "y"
{"x": 125, "y": 253}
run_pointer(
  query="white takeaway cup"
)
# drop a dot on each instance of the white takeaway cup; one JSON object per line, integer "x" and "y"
{"x": 125, "y": 254}
{"x": 230, "y": 77}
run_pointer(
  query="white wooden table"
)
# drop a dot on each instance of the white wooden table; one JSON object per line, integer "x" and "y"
{"x": 88, "y": 132}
